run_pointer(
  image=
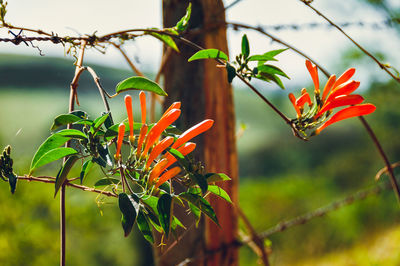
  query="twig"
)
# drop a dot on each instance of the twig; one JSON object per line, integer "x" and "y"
{"x": 255, "y": 238}
{"x": 51, "y": 180}
{"x": 381, "y": 65}
{"x": 134, "y": 68}
{"x": 102, "y": 92}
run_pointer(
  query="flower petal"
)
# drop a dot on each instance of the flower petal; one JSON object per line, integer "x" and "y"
{"x": 344, "y": 77}
{"x": 193, "y": 132}
{"x": 304, "y": 98}
{"x": 142, "y": 135}
{"x": 185, "y": 150}
{"x": 314, "y": 74}
{"x": 159, "y": 127}
{"x": 168, "y": 175}
{"x": 175, "y": 105}
{"x": 343, "y": 89}
{"x": 339, "y": 101}
{"x": 121, "y": 132}
{"x": 352, "y": 111}
{"x": 142, "y": 97}
{"x": 157, "y": 170}
{"x": 128, "y": 105}
{"x": 292, "y": 98}
{"x": 328, "y": 86}
{"x": 158, "y": 149}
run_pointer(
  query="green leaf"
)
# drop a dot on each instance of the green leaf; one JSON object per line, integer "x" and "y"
{"x": 184, "y": 22}
{"x": 216, "y": 177}
{"x": 268, "y": 78}
{"x": 52, "y": 142}
{"x": 231, "y": 71}
{"x": 51, "y": 156}
{"x": 151, "y": 202}
{"x": 144, "y": 227}
{"x": 72, "y": 133}
{"x": 164, "y": 207}
{"x": 98, "y": 122}
{"x": 129, "y": 206}
{"x": 64, "y": 119}
{"x": 63, "y": 173}
{"x": 167, "y": 40}
{"x": 245, "y": 46}
{"x": 272, "y": 70}
{"x": 200, "y": 203}
{"x": 219, "y": 192}
{"x": 268, "y": 56}
{"x": 12, "y": 181}
{"x": 106, "y": 181}
{"x": 196, "y": 211}
{"x": 85, "y": 169}
{"x": 176, "y": 222}
{"x": 199, "y": 180}
{"x": 207, "y": 54}
{"x": 139, "y": 83}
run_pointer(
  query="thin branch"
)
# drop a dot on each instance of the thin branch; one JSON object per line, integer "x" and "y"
{"x": 102, "y": 92}
{"x": 381, "y": 65}
{"x": 133, "y": 67}
{"x": 51, "y": 180}
{"x": 255, "y": 238}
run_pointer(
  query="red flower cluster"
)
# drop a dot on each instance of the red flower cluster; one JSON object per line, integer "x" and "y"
{"x": 149, "y": 147}
{"x": 336, "y": 93}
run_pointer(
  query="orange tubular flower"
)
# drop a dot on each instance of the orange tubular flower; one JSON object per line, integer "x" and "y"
{"x": 159, "y": 127}
{"x": 314, "y": 75}
{"x": 142, "y": 135}
{"x": 337, "y": 93}
{"x": 193, "y": 132}
{"x": 352, "y": 111}
{"x": 157, "y": 170}
{"x": 175, "y": 105}
{"x": 121, "y": 132}
{"x": 128, "y": 105}
{"x": 184, "y": 150}
{"x": 142, "y": 97}
{"x": 158, "y": 149}
{"x": 168, "y": 175}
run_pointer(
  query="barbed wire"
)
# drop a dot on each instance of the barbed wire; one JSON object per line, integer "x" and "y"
{"x": 379, "y": 25}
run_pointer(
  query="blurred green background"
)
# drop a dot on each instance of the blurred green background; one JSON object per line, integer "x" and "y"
{"x": 280, "y": 177}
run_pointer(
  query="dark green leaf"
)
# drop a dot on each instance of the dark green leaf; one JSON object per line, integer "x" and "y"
{"x": 268, "y": 56}
{"x": 216, "y": 177}
{"x": 231, "y": 71}
{"x": 85, "y": 169}
{"x": 87, "y": 122}
{"x": 152, "y": 202}
{"x": 200, "y": 203}
{"x": 139, "y": 83}
{"x": 12, "y": 180}
{"x": 129, "y": 206}
{"x": 245, "y": 46}
{"x": 106, "y": 181}
{"x": 199, "y": 180}
{"x": 71, "y": 133}
{"x": 64, "y": 119}
{"x": 209, "y": 53}
{"x": 63, "y": 173}
{"x": 144, "y": 227}
{"x": 164, "y": 207}
{"x": 52, "y": 142}
{"x": 183, "y": 22}
{"x": 51, "y": 156}
{"x": 219, "y": 192}
{"x": 196, "y": 211}
{"x": 272, "y": 70}
{"x": 167, "y": 40}
{"x": 268, "y": 77}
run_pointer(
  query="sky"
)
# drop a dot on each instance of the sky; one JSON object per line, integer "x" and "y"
{"x": 77, "y": 17}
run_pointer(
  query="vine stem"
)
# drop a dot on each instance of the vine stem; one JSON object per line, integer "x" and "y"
{"x": 71, "y": 108}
